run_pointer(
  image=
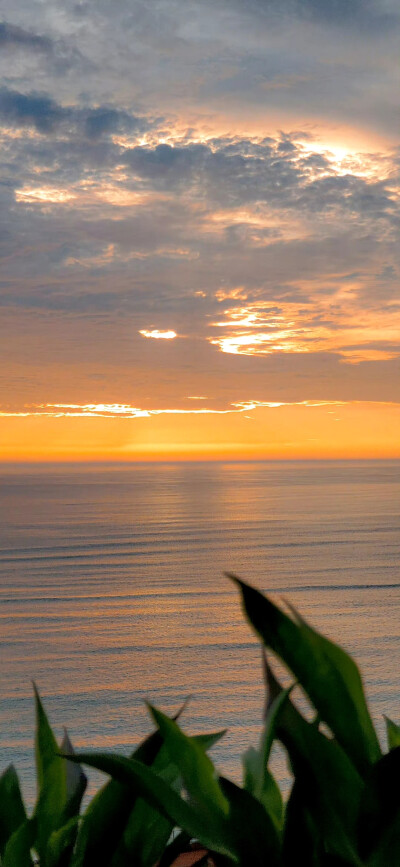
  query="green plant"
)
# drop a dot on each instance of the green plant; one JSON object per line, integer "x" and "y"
{"x": 343, "y": 808}
{"x": 117, "y": 828}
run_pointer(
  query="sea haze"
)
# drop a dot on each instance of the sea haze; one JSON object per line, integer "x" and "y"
{"x": 112, "y": 591}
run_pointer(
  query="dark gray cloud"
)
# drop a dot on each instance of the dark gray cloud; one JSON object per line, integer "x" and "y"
{"x": 40, "y": 111}
{"x": 58, "y": 56}
{"x": 359, "y": 14}
{"x": 12, "y": 36}
{"x": 36, "y": 110}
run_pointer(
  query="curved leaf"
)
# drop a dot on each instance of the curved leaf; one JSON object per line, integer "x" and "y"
{"x": 12, "y": 810}
{"x": 18, "y": 849}
{"x": 143, "y": 781}
{"x": 197, "y": 770}
{"x": 379, "y": 825}
{"x": 393, "y": 734}
{"x": 327, "y": 674}
{"x": 254, "y": 835}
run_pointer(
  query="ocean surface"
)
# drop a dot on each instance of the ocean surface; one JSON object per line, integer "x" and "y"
{"x": 112, "y": 591}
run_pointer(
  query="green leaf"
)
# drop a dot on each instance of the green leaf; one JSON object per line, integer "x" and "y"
{"x": 208, "y": 741}
{"x": 379, "y": 824}
{"x": 75, "y": 780}
{"x": 145, "y": 837}
{"x": 107, "y": 815}
{"x": 51, "y": 777}
{"x": 197, "y": 770}
{"x": 18, "y": 849}
{"x": 254, "y": 835}
{"x": 12, "y": 810}
{"x": 259, "y": 781}
{"x": 301, "y": 834}
{"x": 147, "y": 832}
{"x": 327, "y": 674}
{"x": 257, "y": 778}
{"x": 143, "y": 781}
{"x": 45, "y": 742}
{"x": 393, "y": 734}
{"x": 60, "y": 787}
{"x": 61, "y": 843}
{"x": 329, "y": 784}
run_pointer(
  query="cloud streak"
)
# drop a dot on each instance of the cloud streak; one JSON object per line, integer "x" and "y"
{"x": 125, "y": 411}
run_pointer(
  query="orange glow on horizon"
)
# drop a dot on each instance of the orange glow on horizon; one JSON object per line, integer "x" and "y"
{"x": 306, "y": 430}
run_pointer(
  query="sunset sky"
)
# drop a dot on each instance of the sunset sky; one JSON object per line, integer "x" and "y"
{"x": 199, "y": 229}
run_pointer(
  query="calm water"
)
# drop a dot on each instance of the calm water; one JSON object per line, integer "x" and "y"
{"x": 112, "y": 590}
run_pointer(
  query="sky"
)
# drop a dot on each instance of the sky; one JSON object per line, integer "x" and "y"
{"x": 199, "y": 229}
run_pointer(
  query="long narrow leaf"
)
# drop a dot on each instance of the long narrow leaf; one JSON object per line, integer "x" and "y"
{"x": 330, "y": 785}
{"x": 147, "y": 832}
{"x": 198, "y": 772}
{"x": 301, "y": 834}
{"x": 144, "y": 782}
{"x": 60, "y": 844}
{"x": 75, "y": 781}
{"x": 51, "y": 774}
{"x": 258, "y": 780}
{"x": 101, "y": 834}
{"x": 379, "y": 824}
{"x": 18, "y": 849}
{"x": 327, "y": 674}
{"x": 393, "y": 733}
{"x": 255, "y": 837}
{"x": 106, "y": 816}
{"x": 12, "y": 810}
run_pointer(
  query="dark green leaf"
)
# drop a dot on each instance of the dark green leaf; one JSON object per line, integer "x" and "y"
{"x": 143, "y": 781}
{"x": 12, "y": 810}
{"x": 330, "y": 786}
{"x": 147, "y": 832}
{"x": 208, "y": 741}
{"x": 300, "y": 833}
{"x": 107, "y": 815}
{"x": 393, "y": 733}
{"x": 51, "y": 774}
{"x": 145, "y": 837}
{"x": 61, "y": 843}
{"x": 379, "y": 824}
{"x": 254, "y": 835}
{"x": 60, "y": 786}
{"x": 18, "y": 849}
{"x": 327, "y": 674}
{"x": 75, "y": 781}
{"x": 197, "y": 770}
{"x": 263, "y": 787}
{"x": 258, "y": 779}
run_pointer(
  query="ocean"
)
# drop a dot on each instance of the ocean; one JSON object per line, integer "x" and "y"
{"x": 113, "y": 592}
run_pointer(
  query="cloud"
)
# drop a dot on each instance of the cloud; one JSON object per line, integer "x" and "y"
{"x": 226, "y": 170}
{"x": 12, "y": 36}
{"x": 126, "y": 411}
{"x": 35, "y": 110}
{"x": 366, "y": 14}
{"x": 46, "y": 116}
{"x": 159, "y": 335}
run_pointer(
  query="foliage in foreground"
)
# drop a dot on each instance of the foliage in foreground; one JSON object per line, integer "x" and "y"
{"x": 343, "y": 808}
